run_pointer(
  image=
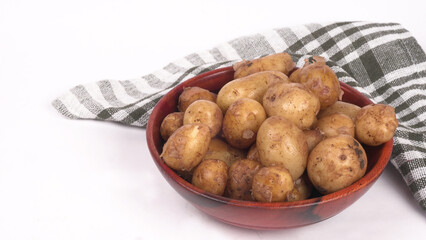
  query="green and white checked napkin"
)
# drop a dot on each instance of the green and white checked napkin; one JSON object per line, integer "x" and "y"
{"x": 381, "y": 60}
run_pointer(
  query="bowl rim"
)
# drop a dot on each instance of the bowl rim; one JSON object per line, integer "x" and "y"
{"x": 368, "y": 179}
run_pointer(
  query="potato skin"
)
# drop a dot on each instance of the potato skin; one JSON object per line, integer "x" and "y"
{"x": 253, "y": 86}
{"x": 271, "y": 184}
{"x": 242, "y": 121}
{"x": 302, "y": 189}
{"x": 348, "y": 109}
{"x": 252, "y": 153}
{"x": 211, "y": 176}
{"x": 336, "y": 163}
{"x": 313, "y": 137}
{"x": 192, "y": 94}
{"x": 240, "y": 179}
{"x": 322, "y": 81}
{"x": 186, "y": 147}
{"x": 336, "y": 124}
{"x": 281, "y": 62}
{"x": 292, "y": 101}
{"x": 280, "y": 142}
{"x": 170, "y": 124}
{"x": 375, "y": 124}
{"x": 206, "y": 112}
{"x": 221, "y": 150}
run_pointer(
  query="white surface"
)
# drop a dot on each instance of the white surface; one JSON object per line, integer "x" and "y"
{"x": 68, "y": 179}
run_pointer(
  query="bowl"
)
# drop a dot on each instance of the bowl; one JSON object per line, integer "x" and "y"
{"x": 256, "y": 215}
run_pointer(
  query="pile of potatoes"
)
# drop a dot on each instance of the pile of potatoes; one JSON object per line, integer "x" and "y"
{"x": 272, "y": 133}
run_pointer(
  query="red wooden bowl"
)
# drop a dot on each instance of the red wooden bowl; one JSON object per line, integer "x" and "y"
{"x": 256, "y": 215}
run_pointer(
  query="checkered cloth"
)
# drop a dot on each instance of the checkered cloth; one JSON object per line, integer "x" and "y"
{"x": 381, "y": 60}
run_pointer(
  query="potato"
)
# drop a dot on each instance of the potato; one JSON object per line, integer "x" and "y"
{"x": 240, "y": 179}
{"x": 375, "y": 124}
{"x": 206, "y": 112}
{"x": 322, "y": 81}
{"x": 170, "y": 124}
{"x": 253, "y": 154}
{"x": 302, "y": 189}
{"x": 211, "y": 176}
{"x": 313, "y": 137}
{"x": 336, "y": 163}
{"x": 336, "y": 124}
{"x": 271, "y": 184}
{"x": 186, "y": 147}
{"x": 192, "y": 94}
{"x": 221, "y": 150}
{"x": 292, "y": 101}
{"x": 253, "y": 86}
{"x": 348, "y": 109}
{"x": 280, "y": 142}
{"x": 281, "y": 62}
{"x": 242, "y": 121}
{"x": 314, "y": 59}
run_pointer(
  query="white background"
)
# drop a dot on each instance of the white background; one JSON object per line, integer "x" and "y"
{"x": 69, "y": 179}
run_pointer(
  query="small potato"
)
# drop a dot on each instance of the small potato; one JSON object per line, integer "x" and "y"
{"x": 211, "y": 176}
{"x": 336, "y": 163}
{"x": 348, "y": 109}
{"x": 206, "y": 112}
{"x": 336, "y": 124}
{"x": 292, "y": 101}
{"x": 280, "y": 142}
{"x": 302, "y": 189}
{"x": 375, "y": 124}
{"x": 281, "y": 62}
{"x": 313, "y": 137}
{"x": 253, "y": 86}
{"x": 271, "y": 184}
{"x": 242, "y": 121}
{"x": 192, "y": 94}
{"x": 186, "y": 147}
{"x": 322, "y": 81}
{"x": 170, "y": 124}
{"x": 253, "y": 154}
{"x": 240, "y": 179}
{"x": 221, "y": 150}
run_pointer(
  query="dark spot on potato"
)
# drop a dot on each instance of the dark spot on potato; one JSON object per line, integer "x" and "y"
{"x": 356, "y": 143}
{"x": 249, "y": 64}
{"x": 342, "y": 157}
{"x": 350, "y": 169}
{"x": 360, "y": 155}
{"x": 273, "y": 98}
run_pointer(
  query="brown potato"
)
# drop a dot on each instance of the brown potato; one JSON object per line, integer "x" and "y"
{"x": 242, "y": 121}
{"x": 336, "y": 124}
{"x": 322, "y": 81}
{"x": 281, "y": 62}
{"x": 271, "y": 184}
{"x": 206, "y": 112}
{"x": 253, "y": 86}
{"x": 192, "y": 94}
{"x": 240, "y": 179}
{"x": 221, "y": 150}
{"x": 302, "y": 189}
{"x": 292, "y": 101}
{"x": 253, "y": 154}
{"x": 280, "y": 142}
{"x": 186, "y": 147}
{"x": 170, "y": 124}
{"x": 314, "y": 59}
{"x": 313, "y": 137}
{"x": 348, "y": 109}
{"x": 375, "y": 124}
{"x": 211, "y": 176}
{"x": 336, "y": 163}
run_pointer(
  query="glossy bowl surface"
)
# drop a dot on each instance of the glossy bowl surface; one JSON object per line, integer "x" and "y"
{"x": 256, "y": 215}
